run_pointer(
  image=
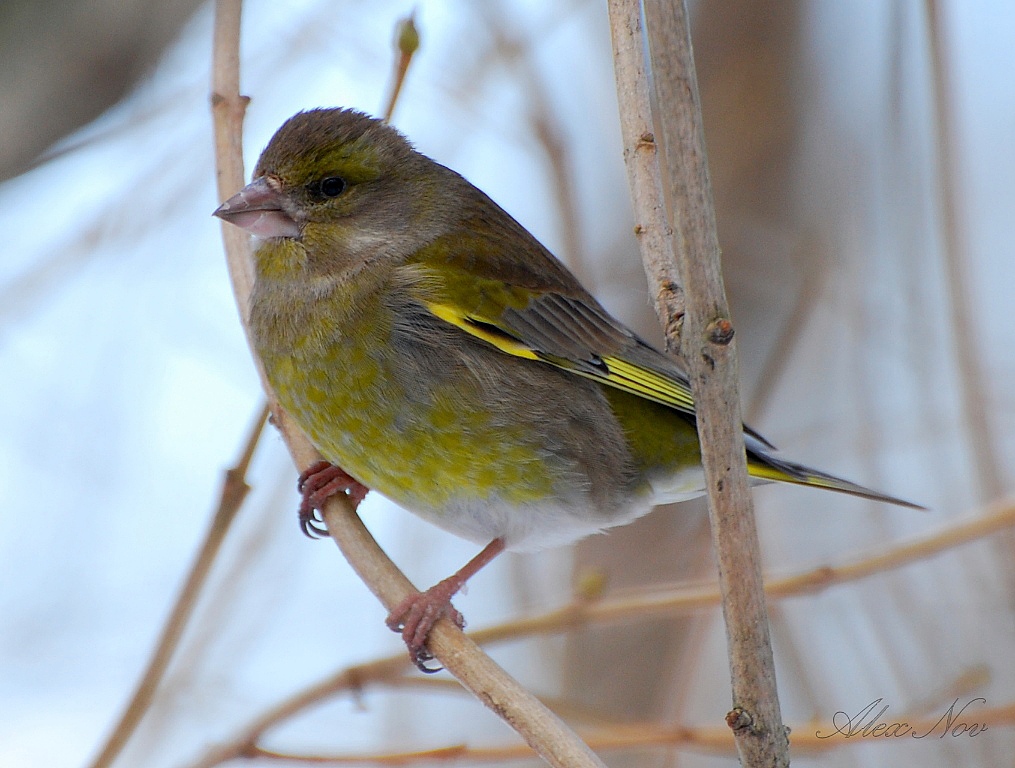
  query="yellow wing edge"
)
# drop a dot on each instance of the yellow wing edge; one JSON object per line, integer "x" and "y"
{"x": 619, "y": 373}
{"x": 482, "y": 329}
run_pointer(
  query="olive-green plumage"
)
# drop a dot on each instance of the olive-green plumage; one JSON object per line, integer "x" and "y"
{"x": 430, "y": 346}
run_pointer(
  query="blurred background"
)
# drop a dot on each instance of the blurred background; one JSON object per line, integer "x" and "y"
{"x": 862, "y": 161}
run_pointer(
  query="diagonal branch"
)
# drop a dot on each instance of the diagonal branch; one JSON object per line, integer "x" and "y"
{"x": 234, "y": 491}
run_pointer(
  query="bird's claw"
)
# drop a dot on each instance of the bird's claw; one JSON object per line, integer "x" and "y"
{"x": 416, "y": 615}
{"x": 318, "y": 483}
{"x": 311, "y": 523}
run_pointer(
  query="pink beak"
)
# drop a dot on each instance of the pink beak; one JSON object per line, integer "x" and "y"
{"x": 259, "y": 208}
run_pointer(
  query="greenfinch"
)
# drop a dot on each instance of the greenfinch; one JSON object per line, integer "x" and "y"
{"x": 432, "y": 349}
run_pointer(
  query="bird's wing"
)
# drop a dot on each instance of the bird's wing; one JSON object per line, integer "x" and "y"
{"x": 530, "y": 306}
{"x": 576, "y": 335}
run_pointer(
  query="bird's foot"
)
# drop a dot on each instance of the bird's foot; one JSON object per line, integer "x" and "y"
{"x": 416, "y": 615}
{"x": 317, "y": 484}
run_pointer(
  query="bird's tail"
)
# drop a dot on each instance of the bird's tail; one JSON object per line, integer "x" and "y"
{"x": 761, "y": 464}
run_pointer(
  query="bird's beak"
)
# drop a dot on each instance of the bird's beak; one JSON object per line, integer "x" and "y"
{"x": 259, "y": 208}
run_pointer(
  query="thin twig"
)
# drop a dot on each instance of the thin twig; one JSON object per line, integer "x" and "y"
{"x": 234, "y": 491}
{"x": 969, "y": 718}
{"x": 651, "y": 228}
{"x": 540, "y": 728}
{"x": 711, "y": 362}
{"x": 406, "y": 43}
{"x": 684, "y": 599}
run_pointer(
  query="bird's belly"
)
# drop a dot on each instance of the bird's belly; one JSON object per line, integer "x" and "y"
{"x": 454, "y": 465}
{"x": 537, "y": 475}
{"x": 530, "y": 526}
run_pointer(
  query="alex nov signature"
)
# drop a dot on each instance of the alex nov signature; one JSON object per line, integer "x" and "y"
{"x": 871, "y": 722}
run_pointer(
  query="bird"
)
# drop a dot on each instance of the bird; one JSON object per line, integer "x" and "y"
{"x": 433, "y": 350}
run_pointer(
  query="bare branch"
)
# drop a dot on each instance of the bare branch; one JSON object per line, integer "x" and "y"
{"x": 651, "y": 227}
{"x": 406, "y": 44}
{"x": 810, "y": 738}
{"x": 234, "y": 491}
{"x": 711, "y": 361}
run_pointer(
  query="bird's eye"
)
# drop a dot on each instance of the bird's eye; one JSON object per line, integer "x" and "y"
{"x": 332, "y": 186}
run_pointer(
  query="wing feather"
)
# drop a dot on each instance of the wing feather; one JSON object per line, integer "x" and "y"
{"x": 580, "y": 338}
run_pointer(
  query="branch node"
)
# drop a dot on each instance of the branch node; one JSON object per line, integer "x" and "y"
{"x": 220, "y": 101}
{"x": 671, "y": 297}
{"x": 739, "y": 719}
{"x": 720, "y": 331}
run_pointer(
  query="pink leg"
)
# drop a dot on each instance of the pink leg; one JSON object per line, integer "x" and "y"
{"x": 415, "y": 616}
{"x": 319, "y": 483}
